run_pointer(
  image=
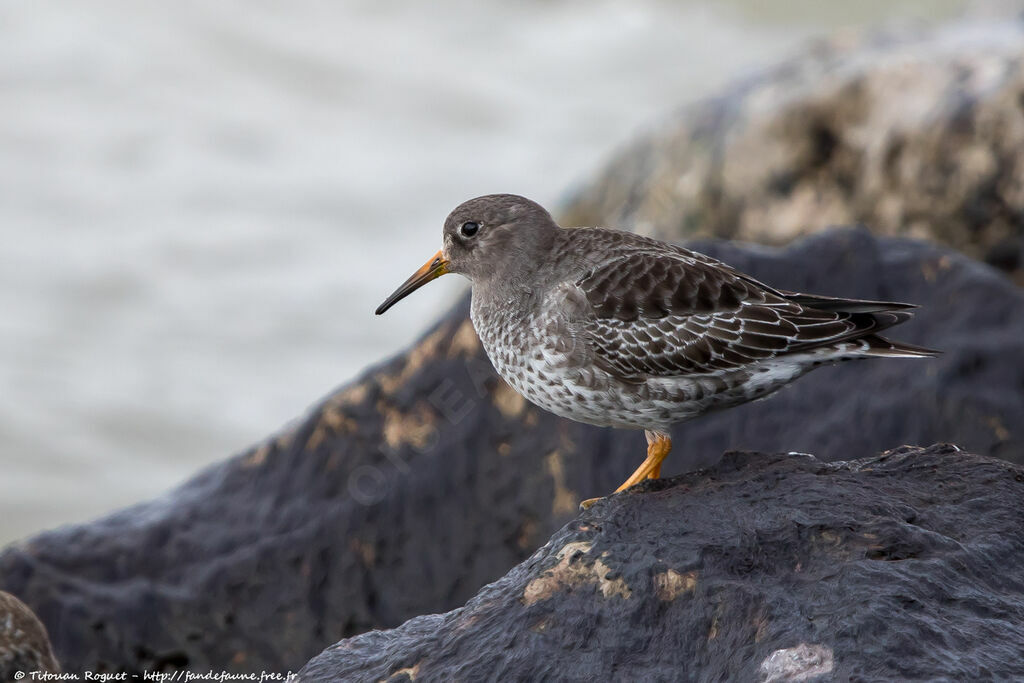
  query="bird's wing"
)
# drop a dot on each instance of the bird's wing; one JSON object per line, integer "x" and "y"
{"x": 659, "y": 313}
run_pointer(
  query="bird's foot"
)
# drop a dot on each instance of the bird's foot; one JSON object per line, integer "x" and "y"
{"x": 658, "y": 446}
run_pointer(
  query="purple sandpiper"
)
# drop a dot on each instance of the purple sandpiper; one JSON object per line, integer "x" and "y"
{"x": 615, "y": 329}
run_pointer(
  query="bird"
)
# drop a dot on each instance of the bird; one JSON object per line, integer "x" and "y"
{"x": 615, "y": 329}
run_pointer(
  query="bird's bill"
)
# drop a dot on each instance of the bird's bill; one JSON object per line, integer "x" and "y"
{"x": 431, "y": 270}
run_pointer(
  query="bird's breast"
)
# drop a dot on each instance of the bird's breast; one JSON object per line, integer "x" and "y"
{"x": 537, "y": 354}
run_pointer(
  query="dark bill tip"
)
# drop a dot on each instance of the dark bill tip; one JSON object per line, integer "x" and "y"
{"x": 431, "y": 270}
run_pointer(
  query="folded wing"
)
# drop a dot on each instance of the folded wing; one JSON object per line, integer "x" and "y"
{"x": 664, "y": 313}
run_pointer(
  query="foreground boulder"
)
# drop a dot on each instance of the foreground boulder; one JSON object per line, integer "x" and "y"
{"x": 909, "y": 133}
{"x": 904, "y": 566}
{"x": 406, "y": 491}
{"x": 24, "y": 645}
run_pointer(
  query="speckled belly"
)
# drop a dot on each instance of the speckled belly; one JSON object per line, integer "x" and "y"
{"x": 551, "y": 372}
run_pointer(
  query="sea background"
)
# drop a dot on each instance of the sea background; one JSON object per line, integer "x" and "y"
{"x": 201, "y": 203}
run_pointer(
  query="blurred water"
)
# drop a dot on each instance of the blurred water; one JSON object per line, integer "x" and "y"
{"x": 202, "y": 203}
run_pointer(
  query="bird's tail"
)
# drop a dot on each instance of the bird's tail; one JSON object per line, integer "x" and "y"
{"x": 829, "y": 303}
{"x": 875, "y": 345}
{"x": 870, "y": 317}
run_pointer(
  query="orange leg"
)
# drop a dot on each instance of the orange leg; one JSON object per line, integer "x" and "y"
{"x": 658, "y": 447}
{"x": 661, "y": 444}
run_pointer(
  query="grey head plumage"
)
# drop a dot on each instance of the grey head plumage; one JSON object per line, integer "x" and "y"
{"x": 497, "y": 236}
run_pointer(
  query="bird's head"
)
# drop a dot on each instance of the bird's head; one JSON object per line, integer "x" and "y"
{"x": 494, "y": 236}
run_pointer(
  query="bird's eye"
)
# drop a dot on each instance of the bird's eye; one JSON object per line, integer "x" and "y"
{"x": 469, "y": 228}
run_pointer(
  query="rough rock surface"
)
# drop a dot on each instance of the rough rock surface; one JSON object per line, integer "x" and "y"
{"x": 915, "y": 135}
{"x": 406, "y": 491}
{"x": 904, "y": 566}
{"x": 24, "y": 645}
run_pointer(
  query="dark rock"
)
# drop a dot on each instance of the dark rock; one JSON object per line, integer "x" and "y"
{"x": 909, "y": 133}
{"x": 24, "y": 645}
{"x": 904, "y": 566}
{"x": 403, "y": 493}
